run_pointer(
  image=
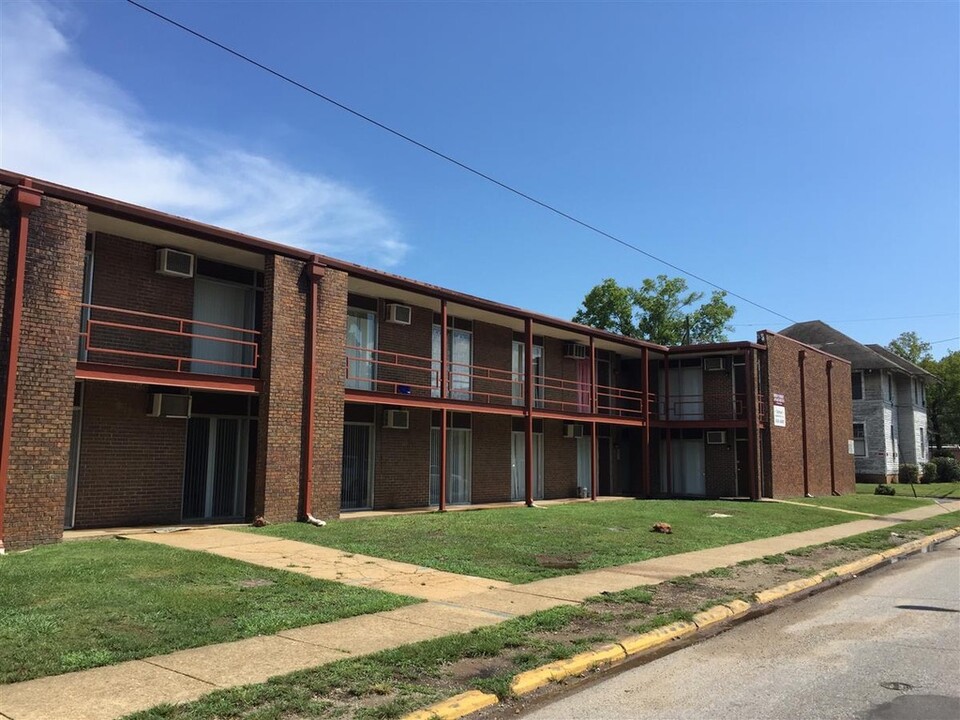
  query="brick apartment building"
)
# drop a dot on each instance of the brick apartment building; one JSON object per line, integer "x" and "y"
{"x": 157, "y": 371}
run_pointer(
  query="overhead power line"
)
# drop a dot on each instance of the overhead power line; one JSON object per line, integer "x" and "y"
{"x": 937, "y": 342}
{"x": 443, "y": 156}
{"x": 879, "y": 319}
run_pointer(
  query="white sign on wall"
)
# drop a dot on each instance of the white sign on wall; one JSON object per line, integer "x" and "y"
{"x": 779, "y": 416}
{"x": 851, "y": 448}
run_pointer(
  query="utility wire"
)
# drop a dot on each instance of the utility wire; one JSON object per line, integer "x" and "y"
{"x": 448, "y": 158}
{"x": 902, "y": 317}
{"x": 937, "y": 342}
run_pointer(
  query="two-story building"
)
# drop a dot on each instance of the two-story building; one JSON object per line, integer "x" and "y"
{"x": 161, "y": 371}
{"x": 889, "y": 402}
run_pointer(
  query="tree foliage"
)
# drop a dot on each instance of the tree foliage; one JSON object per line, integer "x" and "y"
{"x": 661, "y": 310}
{"x": 908, "y": 345}
{"x": 943, "y": 394}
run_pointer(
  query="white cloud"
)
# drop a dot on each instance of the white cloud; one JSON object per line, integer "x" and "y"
{"x": 63, "y": 122}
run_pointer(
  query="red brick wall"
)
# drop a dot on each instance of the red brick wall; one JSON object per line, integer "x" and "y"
{"x": 720, "y": 468}
{"x": 559, "y": 461}
{"x": 413, "y": 339}
{"x": 493, "y": 348}
{"x": 785, "y": 457}
{"x": 402, "y": 469}
{"x": 328, "y": 406}
{"x": 718, "y": 393}
{"x": 281, "y": 403}
{"x": 491, "y": 458}
{"x": 131, "y": 465}
{"x": 124, "y": 276}
{"x": 42, "y": 413}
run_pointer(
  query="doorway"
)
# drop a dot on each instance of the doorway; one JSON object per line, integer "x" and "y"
{"x": 215, "y": 469}
{"x": 518, "y": 464}
{"x": 356, "y": 490}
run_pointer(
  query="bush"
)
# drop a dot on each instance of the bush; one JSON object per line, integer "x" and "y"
{"x": 948, "y": 469}
{"x": 885, "y": 490}
{"x": 909, "y": 474}
{"x": 929, "y": 473}
{"x": 941, "y": 453}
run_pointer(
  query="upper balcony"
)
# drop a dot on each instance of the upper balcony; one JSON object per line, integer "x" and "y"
{"x": 408, "y": 376}
{"x": 134, "y": 346}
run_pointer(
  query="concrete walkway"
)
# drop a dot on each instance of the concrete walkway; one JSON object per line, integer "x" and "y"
{"x": 453, "y": 604}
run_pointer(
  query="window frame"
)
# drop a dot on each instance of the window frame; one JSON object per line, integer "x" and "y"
{"x": 862, "y": 439}
{"x": 856, "y": 383}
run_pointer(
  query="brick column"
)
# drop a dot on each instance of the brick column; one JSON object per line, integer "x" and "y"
{"x": 281, "y": 400}
{"x": 330, "y": 370}
{"x": 46, "y": 368}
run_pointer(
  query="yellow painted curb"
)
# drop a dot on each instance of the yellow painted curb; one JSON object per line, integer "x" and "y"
{"x": 455, "y": 707}
{"x": 711, "y": 616}
{"x": 638, "y": 643}
{"x": 738, "y": 607}
{"x": 531, "y": 680}
{"x": 858, "y": 566}
{"x": 782, "y": 591}
{"x": 606, "y": 655}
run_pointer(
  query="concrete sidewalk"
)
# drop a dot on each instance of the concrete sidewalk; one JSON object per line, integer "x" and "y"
{"x": 454, "y": 604}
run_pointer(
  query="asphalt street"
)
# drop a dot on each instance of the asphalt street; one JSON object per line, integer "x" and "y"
{"x": 883, "y": 646}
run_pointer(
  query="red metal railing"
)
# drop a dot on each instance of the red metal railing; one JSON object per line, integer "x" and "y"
{"x": 130, "y": 337}
{"x": 710, "y": 406}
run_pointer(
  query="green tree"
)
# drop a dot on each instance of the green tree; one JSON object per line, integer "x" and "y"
{"x": 943, "y": 398}
{"x": 908, "y": 345}
{"x": 662, "y": 310}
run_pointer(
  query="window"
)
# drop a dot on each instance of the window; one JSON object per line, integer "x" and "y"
{"x": 923, "y": 445}
{"x": 857, "y": 380}
{"x": 889, "y": 397}
{"x": 519, "y": 371}
{"x": 859, "y": 440}
{"x": 460, "y": 357}
{"x": 893, "y": 441}
{"x": 361, "y": 343}
{"x": 459, "y": 459}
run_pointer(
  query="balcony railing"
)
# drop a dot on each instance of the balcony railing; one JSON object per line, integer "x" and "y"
{"x": 399, "y": 373}
{"x": 131, "y": 338}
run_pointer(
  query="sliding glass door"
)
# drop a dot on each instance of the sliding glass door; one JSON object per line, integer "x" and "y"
{"x": 518, "y": 464}
{"x": 361, "y": 342}
{"x": 459, "y": 465}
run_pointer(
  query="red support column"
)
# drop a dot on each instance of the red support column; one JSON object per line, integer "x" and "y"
{"x": 752, "y": 424}
{"x": 314, "y": 270}
{"x": 833, "y": 472}
{"x": 666, "y": 417}
{"x": 645, "y": 468}
{"x": 444, "y": 392}
{"x": 594, "y": 480}
{"x": 801, "y": 357}
{"x": 528, "y": 410}
{"x": 27, "y": 199}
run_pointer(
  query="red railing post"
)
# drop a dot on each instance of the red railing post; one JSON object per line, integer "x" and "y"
{"x": 528, "y": 411}
{"x": 443, "y": 412}
{"x": 594, "y": 478}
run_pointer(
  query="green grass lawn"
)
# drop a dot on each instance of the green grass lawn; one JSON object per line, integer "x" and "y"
{"x": 876, "y": 504}
{"x": 82, "y": 604}
{"x": 932, "y": 490}
{"x": 523, "y": 544}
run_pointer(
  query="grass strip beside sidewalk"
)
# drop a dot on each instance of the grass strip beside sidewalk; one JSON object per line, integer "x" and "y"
{"x": 85, "y": 604}
{"x": 521, "y": 544}
{"x": 393, "y": 683}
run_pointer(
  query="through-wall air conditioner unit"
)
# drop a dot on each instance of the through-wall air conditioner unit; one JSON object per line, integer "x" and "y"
{"x": 396, "y": 419}
{"x": 716, "y": 437}
{"x": 175, "y": 263}
{"x": 399, "y": 314}
{"x": 170, "y": 406}
{"x": 577, "y": 351}
{"x": 713, "y": 363}
{"x": 572, "y": 430}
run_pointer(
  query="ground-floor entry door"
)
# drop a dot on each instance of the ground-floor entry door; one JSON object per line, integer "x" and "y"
{"x": 459, "y": 466}
{"x": 215, "y": 471}
{"x": 355, "y": 492}
{"x": 518, "y": 457}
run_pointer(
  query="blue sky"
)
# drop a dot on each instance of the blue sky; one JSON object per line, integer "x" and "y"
{"x": 804, "y": 155}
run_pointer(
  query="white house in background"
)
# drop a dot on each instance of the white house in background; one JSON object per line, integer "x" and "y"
{"x": 889, "y": 402}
